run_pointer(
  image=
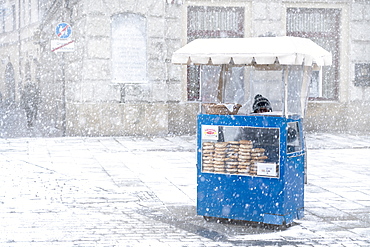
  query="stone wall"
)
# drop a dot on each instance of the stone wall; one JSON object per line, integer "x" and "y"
{"x": 97, "y": 105}
{"x": 349, "y": 113}
{"x": 164, "y": 94}
{"x": 79, "y": 96}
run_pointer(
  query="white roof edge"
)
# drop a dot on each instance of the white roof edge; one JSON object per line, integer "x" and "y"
{"x": 262, "y": 50}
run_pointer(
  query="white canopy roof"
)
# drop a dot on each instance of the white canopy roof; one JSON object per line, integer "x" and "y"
{"x": 261, "y": 50}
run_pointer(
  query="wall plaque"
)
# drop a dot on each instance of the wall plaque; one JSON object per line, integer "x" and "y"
{"x": 129, "y": 62}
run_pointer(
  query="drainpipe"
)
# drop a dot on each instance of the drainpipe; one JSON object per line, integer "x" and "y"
{"x": 20, "y": 86}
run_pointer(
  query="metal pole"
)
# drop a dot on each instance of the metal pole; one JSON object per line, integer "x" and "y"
{"x": 304, "y": 89}
{"x": 63, "y": 97}
{"x": 221, "y": 84}
{"x": 286, "y": 74}
{"x": 64, "y": 103}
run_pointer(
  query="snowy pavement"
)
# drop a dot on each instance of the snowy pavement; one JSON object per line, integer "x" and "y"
{"x": 126, "y": 191}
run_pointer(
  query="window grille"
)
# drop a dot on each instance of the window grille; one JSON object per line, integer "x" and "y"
{"x": 211, "y": 22}
{"x": 323, "y": 27}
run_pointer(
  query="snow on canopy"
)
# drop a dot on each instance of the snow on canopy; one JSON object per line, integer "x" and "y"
{"x": 262, "y": 50}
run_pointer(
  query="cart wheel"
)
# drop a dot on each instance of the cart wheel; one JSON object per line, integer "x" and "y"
{"x": 288, "y": 225}
{"x": 209, "y": 218}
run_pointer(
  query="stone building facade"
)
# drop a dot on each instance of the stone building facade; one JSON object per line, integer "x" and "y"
{"x": 113, "y": 74}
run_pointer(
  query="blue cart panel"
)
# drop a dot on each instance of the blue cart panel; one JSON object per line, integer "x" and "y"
{"x": 250, "y": 168}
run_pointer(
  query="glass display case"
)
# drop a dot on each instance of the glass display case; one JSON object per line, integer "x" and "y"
{"x": 247, "y": 151}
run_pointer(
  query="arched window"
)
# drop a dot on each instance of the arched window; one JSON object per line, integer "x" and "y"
{"x": 9, "y": 83}
{"x": 27, "y": 71}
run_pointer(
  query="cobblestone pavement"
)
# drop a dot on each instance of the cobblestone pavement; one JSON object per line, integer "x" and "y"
{"x": 125, "y": 191}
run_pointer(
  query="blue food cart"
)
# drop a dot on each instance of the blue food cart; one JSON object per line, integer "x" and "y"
{"x": 251, "y": 163}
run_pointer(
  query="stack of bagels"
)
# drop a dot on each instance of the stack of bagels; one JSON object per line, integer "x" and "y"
{"x": 233, "y": 157}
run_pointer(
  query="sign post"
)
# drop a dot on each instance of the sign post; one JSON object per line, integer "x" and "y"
{"x": 64, "y": 44}
{"x": 63, "y": 30}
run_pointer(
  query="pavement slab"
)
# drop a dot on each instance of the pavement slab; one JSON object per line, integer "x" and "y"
{"x": 131, "y": 191}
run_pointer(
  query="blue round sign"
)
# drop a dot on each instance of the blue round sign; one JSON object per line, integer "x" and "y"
{"x": 63, "y": 30}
